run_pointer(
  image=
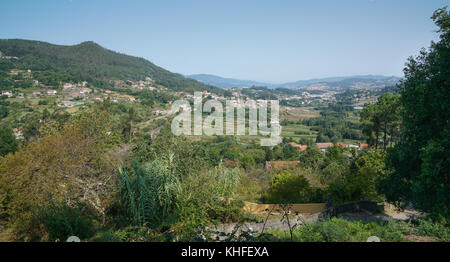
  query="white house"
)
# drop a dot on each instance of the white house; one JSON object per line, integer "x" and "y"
{"x": 7, "y": 93}
{"x": 85, "y": 90}
{"x": 51, "y": 92}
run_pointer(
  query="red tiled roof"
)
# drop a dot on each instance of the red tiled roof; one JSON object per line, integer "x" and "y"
{"x": 362, "y": 146}
{"x": 301, "y": 147}
{"x": 324, "y": 145}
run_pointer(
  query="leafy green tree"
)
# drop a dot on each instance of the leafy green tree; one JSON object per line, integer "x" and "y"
{"x": 247, "y": 161}
{"x": 4, "y": 111}
{"x": 312, "y": 158}
{"x": 32, "y": 123}
{"x": 382, "y": 120}
{"x": 421, "y": 159}
{"x": 8, "y": 142}
{"x": 361, "y": 182}
{"x": 289, "y": 188}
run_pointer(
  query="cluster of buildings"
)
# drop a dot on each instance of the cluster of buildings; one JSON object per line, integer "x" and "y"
{"x": 148, "y": 83}
{"x": 69, "y": 86}
{"x": 324, "y": 146}
{"x": 143, "y": 84}
{"x": 9, "y": 93}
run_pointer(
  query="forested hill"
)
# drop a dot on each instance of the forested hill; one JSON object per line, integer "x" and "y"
{"x": 89, "y": 61}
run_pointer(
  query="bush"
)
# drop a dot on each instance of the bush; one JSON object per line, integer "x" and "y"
{"x": 439, "y": 229}
{"x": 339, "y": 230}
{"x": 153, "y": 197}
{"x": 207, "y": 198}
{"x": 289, "y": 188}
{"x": 61, "y": 221}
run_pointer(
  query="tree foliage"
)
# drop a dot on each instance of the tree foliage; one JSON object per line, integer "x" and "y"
{"x": 421, "y": 159}
{"x": 8, "y": 142}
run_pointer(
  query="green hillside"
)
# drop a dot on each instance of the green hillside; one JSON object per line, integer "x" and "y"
{"x": 89, "y": 61}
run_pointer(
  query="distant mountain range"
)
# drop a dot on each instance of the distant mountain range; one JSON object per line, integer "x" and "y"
{"x": 329, "y": 83}
{"x": 89, "y": 61}
{"x": 225, "y": 82}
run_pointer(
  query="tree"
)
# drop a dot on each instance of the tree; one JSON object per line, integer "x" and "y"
{"x": 312, "y": 158}
{"x": 289, "y": 188}
{"x": 382, "y": 119}
{"x": 361, "y": 182}
{"x": 8, "y": 142}
{"x": 421, "y": 159}
{"x": 389, "y": 110}
{"x": 64, "y": 167}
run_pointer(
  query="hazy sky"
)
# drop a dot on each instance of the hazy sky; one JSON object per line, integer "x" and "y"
{"x": 274, "y": 41}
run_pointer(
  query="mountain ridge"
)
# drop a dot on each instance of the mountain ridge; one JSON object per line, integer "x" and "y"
{"x": 91, "y": 62}
{"x": 345, "y": 81}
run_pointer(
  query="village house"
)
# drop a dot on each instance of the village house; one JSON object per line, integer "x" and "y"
{"x": 18, "y": 133}
{"x": 341, "y": 145}
{"x": 51, "y": 92}
{"x": 85, "y": 90}
{"x": 280, "y": 164}
{"x": 363, "y": 146}
{"x": 7, "y": 93}
{"x": 68, "y": 86}
{"x": 77, "y": 95}
{"x": 132, "y": 99}
{"x": 36, "y": 93}
{"x": 157, "y": 111}
{"x": 324, "y": 146}
{"x": 301, "y": 147}
{"x": 7, "y": 57}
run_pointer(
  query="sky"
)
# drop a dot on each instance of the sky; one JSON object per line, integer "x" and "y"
{"x": 271, "y": 41}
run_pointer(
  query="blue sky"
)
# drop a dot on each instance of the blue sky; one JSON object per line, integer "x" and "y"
{"x": 274, "y": 41}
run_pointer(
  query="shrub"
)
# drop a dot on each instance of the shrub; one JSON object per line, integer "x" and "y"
{"x": 289, "y": 188}
{"x": 206, "y": 198}
{"x": 61, "y": 221}
{"x": 339, "y": 230}
{"x": 439, "y": 229}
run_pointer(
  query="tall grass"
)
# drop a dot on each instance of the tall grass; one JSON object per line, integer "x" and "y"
{"x": 150, "y": 193}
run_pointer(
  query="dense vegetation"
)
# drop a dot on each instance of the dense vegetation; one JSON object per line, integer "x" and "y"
{"x": 113, "y": 171}
{"x": 335, "y": 124}
{"x": 421, "y": 158}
